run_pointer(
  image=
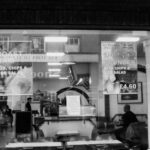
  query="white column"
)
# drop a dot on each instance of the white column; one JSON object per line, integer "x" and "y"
{"x": 147, "y": 56}
{"x": 101, "y": 101}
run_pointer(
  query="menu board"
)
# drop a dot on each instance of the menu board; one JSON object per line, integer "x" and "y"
{"x": 119, "y": 67}
{"x": 73, "y": 105}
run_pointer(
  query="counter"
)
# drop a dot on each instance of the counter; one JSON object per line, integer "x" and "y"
{"x": 51, "y": 125}
{"x": 105, "y": 144}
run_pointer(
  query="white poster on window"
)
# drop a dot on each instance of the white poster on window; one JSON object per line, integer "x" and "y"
{"x": 16, "y": 78}
{"x": 73, "y": 105}
{"x": 119, "y": 67}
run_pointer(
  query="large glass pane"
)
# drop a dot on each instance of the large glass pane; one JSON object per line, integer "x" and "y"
{"x": 61, "y": 87}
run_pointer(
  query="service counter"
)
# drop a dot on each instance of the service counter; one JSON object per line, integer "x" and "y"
{"x": 95, "y": 145}
{"x": 52, "y": 125}
{"x": 66, "y": 132}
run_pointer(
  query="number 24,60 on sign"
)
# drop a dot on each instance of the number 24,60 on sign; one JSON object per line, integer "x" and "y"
{"x": 130, "y": 86}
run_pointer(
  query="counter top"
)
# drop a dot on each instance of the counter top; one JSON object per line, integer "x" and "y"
{"x": 34, "y": 144}
{"x": 59, "y": 144}
{"x": 66, "y": 117}
{"x": 91, "y": 142}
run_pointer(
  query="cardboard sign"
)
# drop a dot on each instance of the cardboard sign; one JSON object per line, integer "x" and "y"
{"x": 73, "y": 105}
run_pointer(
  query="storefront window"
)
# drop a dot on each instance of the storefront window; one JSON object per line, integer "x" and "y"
{"x": 66, "y": 86}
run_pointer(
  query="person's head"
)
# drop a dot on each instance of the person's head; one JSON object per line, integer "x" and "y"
{"x": 29, "y": 99}
{"x": 126, "y": 108}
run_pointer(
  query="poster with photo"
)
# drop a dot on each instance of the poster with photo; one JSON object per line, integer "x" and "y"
{"x": 16, "y": 78}
{"x": 19, "y": 47}
{"x": 119, "y": 67}
{"x": 37, "y": 45}
{"x": 4, "y": 43}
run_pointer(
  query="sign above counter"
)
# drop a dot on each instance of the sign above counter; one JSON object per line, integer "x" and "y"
{"x": 45, "y": 58}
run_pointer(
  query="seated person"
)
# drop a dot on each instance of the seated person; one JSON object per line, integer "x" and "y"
{"x": 127, "y": 118}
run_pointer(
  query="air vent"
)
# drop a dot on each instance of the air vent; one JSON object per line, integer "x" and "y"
{"x": 72, "y": 45}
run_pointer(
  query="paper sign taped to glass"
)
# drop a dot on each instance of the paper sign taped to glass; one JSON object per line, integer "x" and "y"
{"x": 73, "y": 105}
{"x": 16, "y": 78}
{"x": 119, "y": 67}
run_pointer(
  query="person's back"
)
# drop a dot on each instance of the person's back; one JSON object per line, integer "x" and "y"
{"x": 128, "y": 118}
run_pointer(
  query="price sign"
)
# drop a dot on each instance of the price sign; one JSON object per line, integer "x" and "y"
{"x": 119, "y": 66}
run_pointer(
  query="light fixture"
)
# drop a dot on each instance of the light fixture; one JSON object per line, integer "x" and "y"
{"x": 56, "y": 39}
{"x": 68, "y": 63}
{"x": 54, "y": 75}
{"x": 127, "y": 39}
{"x": 54, "y": 70}
{"x": 56, "y": 54}
{"x": 63, "y": 78}
{"x": 80, "y": 80}
{"x": 55, "y": 64}
{"x": 61, "y": 63}
{"x": 90, "y": 80}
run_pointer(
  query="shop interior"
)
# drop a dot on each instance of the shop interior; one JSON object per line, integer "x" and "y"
{"x": 74, "y": 78}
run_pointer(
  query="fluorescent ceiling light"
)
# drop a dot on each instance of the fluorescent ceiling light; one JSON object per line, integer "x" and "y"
{"x": 61, "y": 63}
{"x": 55, "y": 69}
{"x": 127, "y": 39}
{"x": 55, "y": 64}
{"x": 68, "y": 63}
{"x": 55, "y": 54}
{"x": 54, "y": 75}
{"x": 56, "y": 39}
{"x": 80, "y": 80}
{"x": 63, "y": 78}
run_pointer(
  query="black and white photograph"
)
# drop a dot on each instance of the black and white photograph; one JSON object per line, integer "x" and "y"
{"x": 74, "y": 75}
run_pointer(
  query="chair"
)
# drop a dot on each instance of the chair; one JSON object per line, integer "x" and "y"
{"x": 137, "y": 135}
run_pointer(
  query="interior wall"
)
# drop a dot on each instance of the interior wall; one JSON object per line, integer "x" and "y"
{"x": 89, "y": 43}
{"x": 51, "y": 85}
{"x": 94, "y": 84}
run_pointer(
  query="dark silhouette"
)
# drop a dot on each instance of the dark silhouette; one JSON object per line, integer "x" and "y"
{"x": 28, "y": 105}
{"x": 9, "y": 114}
{"x": 127, "y": 118}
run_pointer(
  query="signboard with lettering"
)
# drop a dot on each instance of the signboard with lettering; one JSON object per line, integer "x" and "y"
{"x": 119, "y": 66}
